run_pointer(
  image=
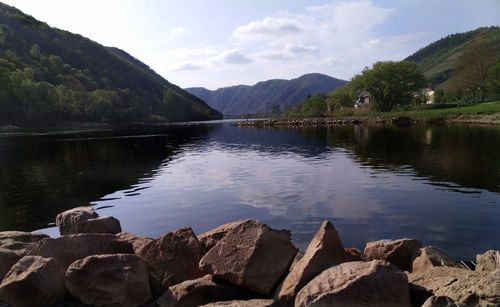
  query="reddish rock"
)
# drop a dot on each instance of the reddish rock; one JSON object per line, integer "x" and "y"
{"x": 192, "y": 293}
{"x": 295, "y": 260}
{"x": 20, "y": 241}
{"x": 488, "y": 261}
{"x": 105, "y": 224}
{"x": 441, "y": 301}
{"x": 67, "y": 221}
{"x": 461, "y": 285}
{"x": 7, "y": 259}
{"x": 375, "y": 283}
{"x": 354, "y": 254}
{"x": 242, "y": 303}
{"x": 324, "y": 251}
{"x": 110, "y": 280}
{"x": 69, "y": 248}
{"x": 33, "y": 281}
{"x": 431, "y": 256}
{"x": 173, "y": 258}
{"x": 210, "y": 238}
{"x": 398, "y": 252}
{"x": 251, "y": 255}
{"x": 136, "y": 240}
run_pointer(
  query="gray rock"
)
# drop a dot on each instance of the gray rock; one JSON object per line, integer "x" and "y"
{"x": 242, "y": 303}
{"x": 173, "y": 258}
{"x": 441, "y": 301}
{"x": 33, "y": 281}
{"x": 69, "y": 248}
{"x": 67, "y": 220}
{"x": 191, "y": 293}
{"x": 136, "y": 240}
{"x": 7, "y": 259}
{"x": 251, "y": 255}
{"x": 375, "y": 283}
{"x": 110, "y": 280}
{"x": 431, "y": 256}
{"x": 20, "y": 241}
{"x": 461, "y": 285}
{"x": 105, "y": 224}
{"x": 324, "y": 250}
{"x": 488, "y": 261}
{"x": 398, "y": 252}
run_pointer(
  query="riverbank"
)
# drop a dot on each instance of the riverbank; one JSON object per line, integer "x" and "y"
{"x": 480, "y": 114}
{"x": 243, "y": 263}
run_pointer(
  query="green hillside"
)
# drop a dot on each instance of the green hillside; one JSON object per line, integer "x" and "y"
{"x": 263, "y": 96}
{"x": 438, "y": 59}
{"x": 50, "y": 76}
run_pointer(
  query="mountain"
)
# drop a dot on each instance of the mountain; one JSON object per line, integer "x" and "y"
{"x": 438, "y": 58}
{"x": 261, "y": 97}
{"x": 50, "y": 76}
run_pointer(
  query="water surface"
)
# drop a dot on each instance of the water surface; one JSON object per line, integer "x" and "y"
{"x": 439, "y": 184}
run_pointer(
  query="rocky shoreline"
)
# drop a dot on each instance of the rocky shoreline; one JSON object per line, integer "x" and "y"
{"x": 243, "y": 263}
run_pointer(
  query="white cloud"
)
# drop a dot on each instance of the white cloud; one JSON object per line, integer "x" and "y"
{"x": 189, "y": 66}
{"x": 234, "y": 56}
{"x": 269, "y": 27}
{"x": 177, "y": 31}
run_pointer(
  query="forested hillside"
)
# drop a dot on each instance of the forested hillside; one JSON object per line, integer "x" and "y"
{"x": 263, "y": 96}
{"x": 50, "y": 76}
{"x": 438, "y": 59}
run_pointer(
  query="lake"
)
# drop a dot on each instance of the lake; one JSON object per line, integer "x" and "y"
{"x": 440, "y": 184}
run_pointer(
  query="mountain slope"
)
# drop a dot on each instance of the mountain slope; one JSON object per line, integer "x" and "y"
{"x": 438, "y": 58}
{"x": 50, "y": 76}
{"x": 261, "y": 97}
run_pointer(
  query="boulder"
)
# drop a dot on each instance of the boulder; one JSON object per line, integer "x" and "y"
{"x": 461, "y": 285}
{"x": 173, "y": 258}
{"x": 212, "y": 237}
{"x": 398, "y": 252}
{"x": 441, "y": 301}
{"x": 67, "y": 220}
{"x": 110, "y": 280}
{"x": 431, "y": 256}
{"x": 69, "y": 248}
{"x": 203, "y": 290}
{"x": 374, "y": 283}
{"x": 20, "y": 241}
{"x": 136, "y": 240}
{"x": 296, "y": 260}
{"x": 105, "y": 224}
{"x": 488, "y": 261}
{"x": 251, "y": 255}
{"x": 241, "y": 303}
{"x": 7, "y": 259}
{"x": 33, "y": 281}
{"x": 324, "y": 250}
{"x": 354, "y": 254}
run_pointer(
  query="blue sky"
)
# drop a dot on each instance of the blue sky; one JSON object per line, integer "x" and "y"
{"x": 217, "y": 43}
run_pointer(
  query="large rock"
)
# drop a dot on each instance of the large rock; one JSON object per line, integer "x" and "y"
{"x": 7, "y": 259}
{"x": 20, "y": 241}
{"x": 33, "y": 281}
{"x": 210, "y": 238}
{"x": 173, "y": 258}
{"x": 136, "y": 240}
{"x": 461, "y": 285}
{"x": 67, "y": 221}
{"x": 488, "y": 261}
{"x": 324, "y": 251}
{"x": 110, "y": 280}
{"x": 429, "y": 257}
{"x": 105, "y": 224}
{"x": 191, "y": 293}
{"x": 69, "y": 248}
{"x": 251, "y": 255}
{"x": 375, "y": 283}
{"x": 441, "y": 301}
{"x": 354, "y": 254}
{"x": 242, "y": 303}
{"x": 398, "y": 252}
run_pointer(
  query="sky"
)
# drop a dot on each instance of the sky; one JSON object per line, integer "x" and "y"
{"x": 219, "y": 43}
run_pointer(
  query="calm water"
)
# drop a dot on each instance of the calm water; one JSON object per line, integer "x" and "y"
{"x": 438, "y": 184}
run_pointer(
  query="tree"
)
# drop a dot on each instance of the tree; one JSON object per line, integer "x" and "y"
{"x": 344, "y": 96}
{"x": 391, "y": 83}
{"x": 494, "y": 79}
{"x": 471, "y": 69}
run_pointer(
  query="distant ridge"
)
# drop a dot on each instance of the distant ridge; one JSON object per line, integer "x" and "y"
{"x": 261, "y": 97}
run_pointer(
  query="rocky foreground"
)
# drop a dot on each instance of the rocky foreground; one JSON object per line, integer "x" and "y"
{"x": 244, "y": 263}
